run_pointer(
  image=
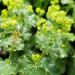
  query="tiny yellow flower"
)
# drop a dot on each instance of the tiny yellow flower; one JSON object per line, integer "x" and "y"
{"x": 52, "y": 11}
{"x": 62, "y": 13}
{"x": 59, "y": 30}
{"x": 29, "y": 8}
{"x": 59, "y": 20}
{"x": 63, "y": 45}
{"x": 41, "y": 22}
{"x": 35, "y": 57}
{"x": 15, "y": 35}
{"x": 54, "y": 1}
{"x": 38, "y": 10}
{"x": 4, "y": 26}
{"x": 5, "y": 2}
{"x": 4, "y": 13}
{"x": 42, "y": 12}
{"x": 14, "y": 22}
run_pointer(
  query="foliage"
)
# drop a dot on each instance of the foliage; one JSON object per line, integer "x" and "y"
{"x": 37, "y": 35}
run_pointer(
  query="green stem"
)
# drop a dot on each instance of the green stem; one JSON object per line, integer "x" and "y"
{"x": 10, "y": 54}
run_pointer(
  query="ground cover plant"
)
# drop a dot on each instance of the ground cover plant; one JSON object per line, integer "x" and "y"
{"x": 37, "y": 37}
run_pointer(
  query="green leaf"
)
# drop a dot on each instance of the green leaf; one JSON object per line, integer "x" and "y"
{"x": 69, "y": 36}
{"x": 27, "y": 67}
{"x": 7, "y": 68}
{"x": 53, "y": 67}
{"x": 9, "y": 44}
{"x": 52, "y": 42}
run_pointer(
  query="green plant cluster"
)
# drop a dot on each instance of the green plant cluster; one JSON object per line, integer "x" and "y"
{"x": 38, "y": 37}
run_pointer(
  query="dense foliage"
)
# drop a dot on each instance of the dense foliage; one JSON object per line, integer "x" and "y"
{"x": 37, "y": 37}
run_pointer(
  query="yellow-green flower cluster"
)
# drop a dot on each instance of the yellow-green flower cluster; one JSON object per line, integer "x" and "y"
{"x": 5, "y": 2}
{"x": 29, "y": 8}
{"x": 3, "y": 26}
{"x": 54, "y": 1}
{"x": 41, "y": 22}
{"x": 52, "y": 9}
{"x": 15, "y": 35}
{"x": 4, "y": 13}
{"x": 13, "y": 3}
{"x": 36, "y": 57}
{"x": 59, "y": 16}
{"x": 8, "y": 24}
{"x": 40, "y": 11}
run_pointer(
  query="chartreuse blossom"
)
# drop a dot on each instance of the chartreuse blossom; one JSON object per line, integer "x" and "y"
{"x": 63, "y": 45}
{"x": 15, "y": 35}
{"x": 54, "y": 1}
{"x": 36, "y": 57}
{"x": 4, "y": 13}
{"x": 8, "y": 24}
{"x": 41, "y": 22}
{"x": 29, "y": 8}
{"x": 52, "y": 9}
{"x": 13, "y": 22}
{"x": 13, "y": 3}
{"x": 40, "y": 11}
{"x": 3, "y": 26}
{"x": 5, "y": 2}
{"x": 59, "y": 16}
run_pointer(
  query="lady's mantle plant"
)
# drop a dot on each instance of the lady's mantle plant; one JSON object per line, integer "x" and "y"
{"x": 40, "y": 52}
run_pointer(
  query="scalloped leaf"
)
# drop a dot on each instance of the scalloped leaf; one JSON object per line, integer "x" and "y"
{"x": 7, "y": 68}
{"x": 53, "y": 67}
{"x": 52, "y": 42}
{"x": 27, "y": 67}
